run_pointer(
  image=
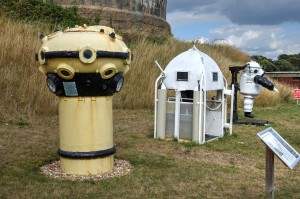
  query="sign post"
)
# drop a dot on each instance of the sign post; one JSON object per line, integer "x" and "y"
{"x": 269, "y": 173}
{"x": 297, "y": 95}
{"x": 275, "y": 144}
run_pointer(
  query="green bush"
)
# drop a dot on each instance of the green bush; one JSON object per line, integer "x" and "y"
{"x": 37, "y": 10}
{"x": 284, "y": 63}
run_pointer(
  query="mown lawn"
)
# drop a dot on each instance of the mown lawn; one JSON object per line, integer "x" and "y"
{"x": 232, "y": 167}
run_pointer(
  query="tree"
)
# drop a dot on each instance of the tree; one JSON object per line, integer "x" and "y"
{"x": 295, "y": 61}
{"x": 266, "y": 63}
{"x": 284, "y": 65}
{"x": 283, "y": 56}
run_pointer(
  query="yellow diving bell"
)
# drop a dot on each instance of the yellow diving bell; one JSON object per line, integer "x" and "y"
{"x": 85, "y": 66}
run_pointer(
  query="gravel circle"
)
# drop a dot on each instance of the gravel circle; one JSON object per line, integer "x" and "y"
{"x": 121, "y": 167}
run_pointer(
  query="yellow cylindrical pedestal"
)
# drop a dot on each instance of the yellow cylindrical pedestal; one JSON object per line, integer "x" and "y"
{"x": 86, "y": 135}
{"x": 88, "y": 166}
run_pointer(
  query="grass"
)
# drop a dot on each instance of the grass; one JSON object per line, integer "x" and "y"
{"x": 231, "y": 167}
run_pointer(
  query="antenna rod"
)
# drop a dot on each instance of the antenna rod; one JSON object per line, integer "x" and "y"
{"x": 159, "y": 67}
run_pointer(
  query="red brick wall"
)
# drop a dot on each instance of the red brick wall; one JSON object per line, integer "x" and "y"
{"x": 288, "y": 81}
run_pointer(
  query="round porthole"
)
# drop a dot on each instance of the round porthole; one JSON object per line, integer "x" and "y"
{"x": 65, "y": 71}
{"x": 87, "y": 54}
{"x": 117, "y": 82}
{"x": 51, "y": 84}
{"x": 54, "y": 84}
{"x": 41, "y": 55}
{"x": 108, "y": 70}
{"x": 130, "y": 57}
{"x": 120, "y": 84}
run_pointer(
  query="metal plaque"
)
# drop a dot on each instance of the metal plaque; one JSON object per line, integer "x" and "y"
{"x": 70, "y": 89}
{"x": 280, "y": 147}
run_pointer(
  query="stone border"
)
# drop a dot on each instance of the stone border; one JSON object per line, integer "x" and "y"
{"x": 52, "y": 170}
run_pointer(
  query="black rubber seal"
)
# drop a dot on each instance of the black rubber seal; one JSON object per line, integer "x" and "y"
{"x": 61, "y": 54}
{"x": 107, "y": 54}
{"x": 75, "y": 54}
{"x": 87, "y": 155}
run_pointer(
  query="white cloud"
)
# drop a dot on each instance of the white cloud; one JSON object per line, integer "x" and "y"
{"x": 269, "y": 41}
{"x": 200, "y": 40}
{"x": 256, "y": 27}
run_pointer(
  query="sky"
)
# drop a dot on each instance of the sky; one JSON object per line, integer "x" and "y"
{"x": 257, "y": 27}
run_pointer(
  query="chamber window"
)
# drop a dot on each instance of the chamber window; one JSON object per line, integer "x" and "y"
{"x": 215, "y": 76}
{"x": 182, "y": 76}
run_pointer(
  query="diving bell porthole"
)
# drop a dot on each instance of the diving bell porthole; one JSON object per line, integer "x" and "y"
{"x": 117, "y": 82}
{"x": 182, "y": 76}
{"x": 87, "y": 54}
{"x": 108, "y": 71}
{"x": 65, "y": 71}
{"x": 51, "y": 85}
{"x": 42, "y": 55}
{"x": 54, "y": 84}
{"x": 120, "y": 84}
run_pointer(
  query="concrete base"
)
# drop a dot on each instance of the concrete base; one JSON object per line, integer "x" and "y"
{"x": 252, "y": 122}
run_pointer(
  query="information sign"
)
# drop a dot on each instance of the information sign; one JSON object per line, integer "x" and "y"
{"x": 280, "y": 147}
{"x": 297, "y": 94}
